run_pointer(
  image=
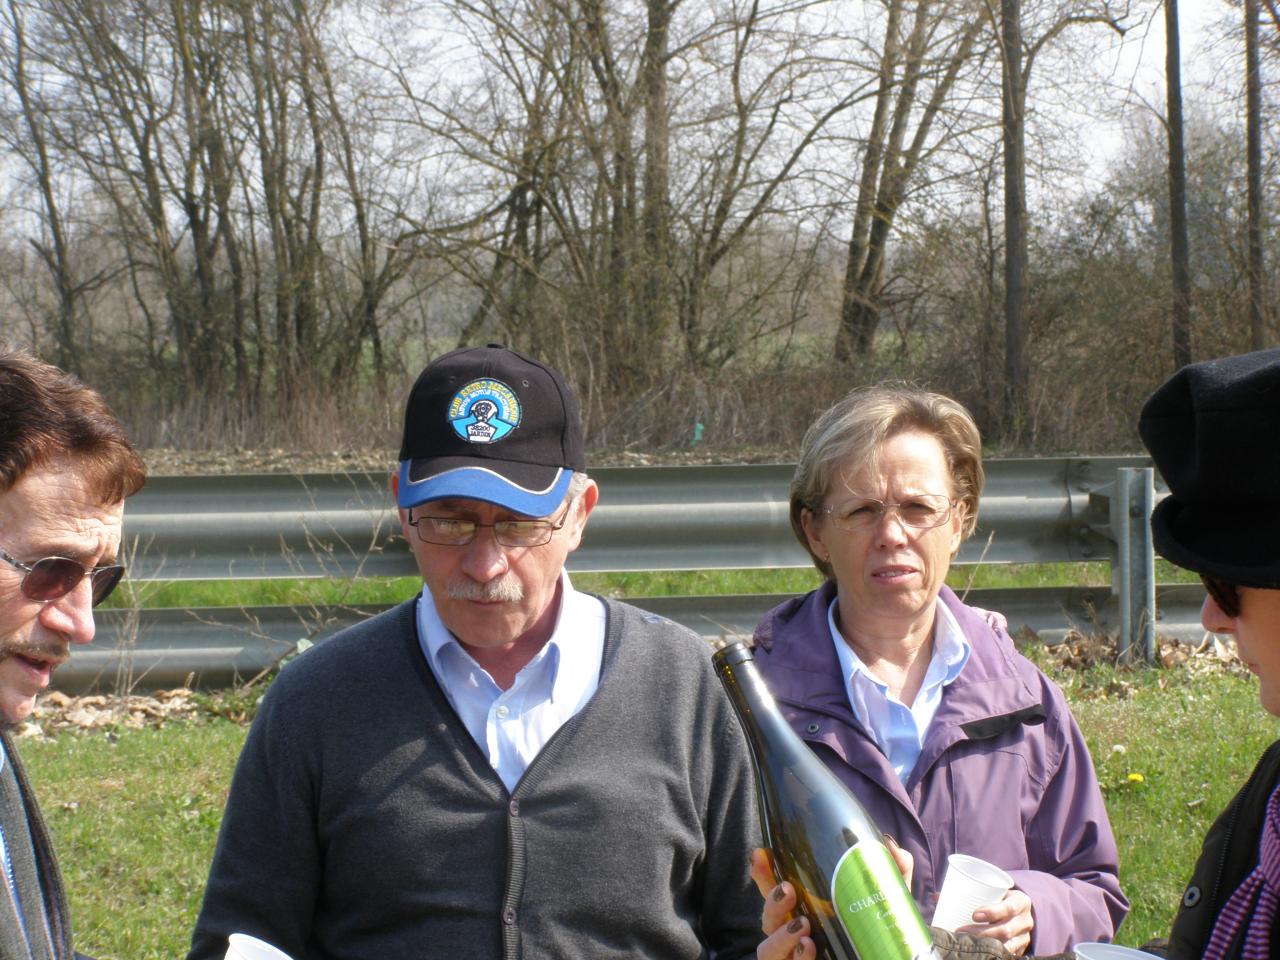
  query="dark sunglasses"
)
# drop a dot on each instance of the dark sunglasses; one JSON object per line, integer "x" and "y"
{"x": 1224, "y": 594}
{"x": 54, "y": 577}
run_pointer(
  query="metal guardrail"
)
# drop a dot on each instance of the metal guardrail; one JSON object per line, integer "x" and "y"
{"x": 221, "y": 646}
{"x": 648, "y": 518}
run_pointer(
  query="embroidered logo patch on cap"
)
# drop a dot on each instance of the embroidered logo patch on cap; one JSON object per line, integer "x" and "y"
{"x": 484, "y": 411}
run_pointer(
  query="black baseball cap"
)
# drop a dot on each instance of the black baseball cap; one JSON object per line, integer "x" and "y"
{"x": 489, "y": 423}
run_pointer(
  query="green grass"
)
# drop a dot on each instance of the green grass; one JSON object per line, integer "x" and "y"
{"x": 303, "y": 592}
{"x": 1170, "y": 748}
{"x": 253, "y": 593}
{"x": 135, "y": 818}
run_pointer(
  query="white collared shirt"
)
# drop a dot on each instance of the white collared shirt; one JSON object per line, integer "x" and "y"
{"x": 512, "y": 726}
{"x": 899, "y": 730}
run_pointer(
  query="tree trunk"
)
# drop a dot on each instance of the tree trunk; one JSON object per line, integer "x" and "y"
{"x": 628, "y": 364}
{"x": 655, "y": 266}
{"x": 1015, "y": 220}
{"x": 1253, "y": 109}
{"x": 1179, "y": 246}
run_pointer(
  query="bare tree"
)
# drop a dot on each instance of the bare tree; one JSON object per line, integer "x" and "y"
{"x": 119, "y": 120}
{"x": 1017, "y": 60}
{"x": 643, "y": 148}
{"x": 922, "y": 56}
{"x": 280, "y": 202}
{"x": 234, "y": 155}
{"x": 25, "y": 135}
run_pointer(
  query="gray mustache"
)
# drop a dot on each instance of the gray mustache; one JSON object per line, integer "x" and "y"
{"x": 507, "y": 589}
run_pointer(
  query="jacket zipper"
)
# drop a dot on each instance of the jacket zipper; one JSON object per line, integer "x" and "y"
{"x": 1229, "y": 832}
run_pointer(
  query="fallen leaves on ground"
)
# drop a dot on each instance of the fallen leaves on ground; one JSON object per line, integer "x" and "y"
{"x": 1080, "y": 651}
{"x": 56, "y": 711}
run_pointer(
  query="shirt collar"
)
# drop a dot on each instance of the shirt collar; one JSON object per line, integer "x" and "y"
{"x": 950, "y": 649}
{"x": 950, "y": 646}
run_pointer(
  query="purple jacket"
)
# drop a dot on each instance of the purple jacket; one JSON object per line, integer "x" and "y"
{"x": 1004, "y": 773}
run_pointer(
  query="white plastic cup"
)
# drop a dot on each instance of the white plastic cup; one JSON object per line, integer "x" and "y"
{"x": 970, "y": 883}
{"x": 1108, "y": 951}
{"x": 241, "y": 946}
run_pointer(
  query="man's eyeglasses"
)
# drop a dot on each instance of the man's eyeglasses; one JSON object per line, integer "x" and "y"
{"x": 1225, "y": 595}
{"x": 923, "y": 512}
{"x": 54, "y": 577}
{"x": 452, "y": 532}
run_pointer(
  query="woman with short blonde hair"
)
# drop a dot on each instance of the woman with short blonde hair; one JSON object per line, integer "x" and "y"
{"x": 954, "y": 741}
{"x": 854, "y": 428}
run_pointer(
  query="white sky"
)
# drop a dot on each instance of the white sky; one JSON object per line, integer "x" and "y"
{"x": 1210, "y": 66}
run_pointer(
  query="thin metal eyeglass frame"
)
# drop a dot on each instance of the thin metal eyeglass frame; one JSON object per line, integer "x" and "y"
{"x": 885, "y": 507}
{"x": 93, "y": 573}
{"x": 549, "y": 528}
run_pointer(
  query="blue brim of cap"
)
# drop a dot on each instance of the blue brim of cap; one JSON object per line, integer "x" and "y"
{"x": 479, "y": 483}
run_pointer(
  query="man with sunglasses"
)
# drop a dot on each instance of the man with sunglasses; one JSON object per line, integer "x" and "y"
{"x": 66, "y": 468}
{"x": 502, "y": 766}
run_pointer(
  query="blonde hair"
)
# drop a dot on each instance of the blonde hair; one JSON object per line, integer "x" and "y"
{"x": 855, "y": 428}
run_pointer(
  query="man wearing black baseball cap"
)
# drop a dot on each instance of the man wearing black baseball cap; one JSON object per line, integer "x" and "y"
{"x": 502, "y": 766}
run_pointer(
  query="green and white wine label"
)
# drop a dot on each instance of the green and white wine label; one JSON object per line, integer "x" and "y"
{"x": 875, "y": 907}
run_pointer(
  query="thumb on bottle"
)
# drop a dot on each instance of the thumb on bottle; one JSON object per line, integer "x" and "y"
{"x": 906, "y": 863}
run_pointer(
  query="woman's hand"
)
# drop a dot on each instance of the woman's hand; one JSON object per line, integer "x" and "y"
{"x": 1008, "y": 921}
{"x": 786, "y": 938}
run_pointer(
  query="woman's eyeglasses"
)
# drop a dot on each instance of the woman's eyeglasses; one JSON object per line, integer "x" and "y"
{"x": 54, "y": 577}
{"x": 923, "y": 511}
{"x": 1225, "y": 595}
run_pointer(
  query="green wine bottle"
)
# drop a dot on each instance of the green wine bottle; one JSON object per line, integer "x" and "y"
{"x": 822, "y": 839}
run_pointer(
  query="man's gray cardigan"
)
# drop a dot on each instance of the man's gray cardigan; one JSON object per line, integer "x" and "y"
{"x": 364, "y": 823}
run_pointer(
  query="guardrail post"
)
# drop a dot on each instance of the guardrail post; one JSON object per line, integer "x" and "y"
{"x": 1133, "y": 574}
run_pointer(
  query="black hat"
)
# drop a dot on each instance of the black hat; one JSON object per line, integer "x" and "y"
{"x": 488, "y": 423}
{"x": 1213, "y": 430}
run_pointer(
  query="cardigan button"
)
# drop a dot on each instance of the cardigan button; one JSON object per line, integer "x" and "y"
{"x": 509, "y": 916}
{"x": 1192, "y": 896}
{"x": 513, "y": 808}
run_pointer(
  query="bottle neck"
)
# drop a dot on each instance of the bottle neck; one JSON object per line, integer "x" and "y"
{"x": 762, "y": 720}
